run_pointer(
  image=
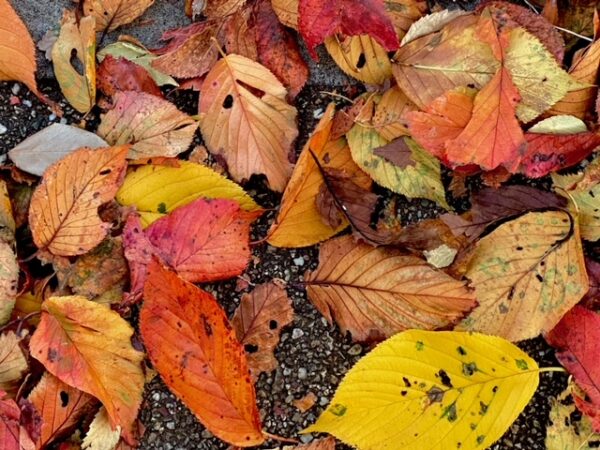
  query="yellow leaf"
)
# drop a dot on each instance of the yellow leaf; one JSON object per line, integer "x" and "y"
{"x": 387, "y": 119}
{"x": 527, "y": 274}
{"x": 423, "y": 390}
{"x": 253, "y": 132}
{"x": 65, "y": 221}
{"x": 361, "y": 57}
{"x": 13, "y": 364}
{"x": 287, "y": 12}
{"x": 299, "y": 222}
{"x": 559, "y": 125}
{"x": 154, "y": 126}
{"x": 156, "y": 190}
{"x": 101, "y": 435}
{"x": 79, "y": 89}
{"x": 9, "y": 280}
{"x": 111, "y": 14}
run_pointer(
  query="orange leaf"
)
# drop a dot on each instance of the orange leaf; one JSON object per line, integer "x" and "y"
{"x": 111, "y": 14}
{"x": 88, "y": 346}
{"x": 193, "y": 347}
{"x": 60, "y": 406}
{"x": 65, "y": 221}
{"x": 257, "y": 323}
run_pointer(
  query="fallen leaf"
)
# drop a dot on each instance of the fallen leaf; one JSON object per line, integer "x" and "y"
{"x": 376, "y": 292}
{"x": 9, "y": 281}
{"x": 298, "y": 222}
{"x": 527, "y": 274}
{"x": 397, "y": 152}
{"x": 305, "y": 403}
{"x": 591, "y": 298}
{"x": 88, "y": 347}
{"x": 60, "y": 406}
{"x": 192, "y": 345}
{"x": 139, "y": 56}
{"x": 101, "y": 435}
{"x": 13, "y": 363}
{"x": 387, "y": 118}
{"x": 257, "y": 323}
{"x": 423, "y": 389}
{"x": 120, "y": 74}
{"x": 153, "y": 126}
{"x": 237, "y": 95}
{"x": 287, "y": 12}
{"x": 156, "y": 190}
{"x": 111, "y": 14}
{"x": 13, "y": 436}
{"x": 318, "y": 20}
{"x": 239, "y": 33}
{"x": 76, "y": 41}
{"x": 576, "y": 338}
{"x": 65, "y": 221}
{"x": 17, "y": 52}
{"x": 42, "y": 149}
{"x": 46, "y": 43}
{"x": 221, "y": 8}
{"x": 327, "y": 443}
{"x": 431, "y": 23}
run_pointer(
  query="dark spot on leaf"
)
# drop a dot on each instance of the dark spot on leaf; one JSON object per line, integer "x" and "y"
{"x": 162, "y": 208}
{"x": 450, "y": 412}
{"x": 435, "y": 394}
{"x": 419, "y": 345}
{"x": 228, "y": 102}
{"x": 461, "y": 351}
{"x": 495, "y": 389}
{"x": 519, "y": 248}
{"x": 361, "y": 61}
{"x": 338, "y": 409}
{"x": 482, "y": 408}
{"x": 407, "y": 382}
{"x": 480, "y": 439}
{"x": 206, "y": 324}
{"x": 403, "y": 393}
{"x": 64, "y": 399}
{"x": 444, "y": 378}
{"x": 105, "y": 171}
{"x": 472, "y": 426}
{"x": 591, "y": 194}
{"x": 469, "y": 368}
{"x": 52, "y": 355}
{"x": 521, "y": 364}
{"x": 539, "y": 277}
{"x": 251, "y": 348}
{"x": 272, "y": 324}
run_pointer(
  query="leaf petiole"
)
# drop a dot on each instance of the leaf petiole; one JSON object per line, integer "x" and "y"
{"x": 552, "y": 369}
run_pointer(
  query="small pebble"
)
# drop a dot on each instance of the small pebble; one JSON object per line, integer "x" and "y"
{"x": 297, "y": 333}
{"x": 306, "y": 438}
{"x": 52, "y": 117}
{"x": 323, "y": 401}
{"x": 16, "y": 88}
{"x": 299, "y": 261}
{"x": 3, "y": 129}
{"x": 302, "y": 373}
{"x": 318, "y": 113}
{"x": 27, "y": 103}
{"x": 355, "y": 350}
{"x": 170, "y": 425}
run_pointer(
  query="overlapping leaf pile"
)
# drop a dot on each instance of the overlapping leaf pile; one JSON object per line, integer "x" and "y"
{"x": 121, "y": 223}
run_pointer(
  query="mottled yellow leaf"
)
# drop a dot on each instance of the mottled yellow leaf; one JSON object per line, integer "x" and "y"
{"x": 156, "y": 190}
{"x": 9, "y": 280}
{"x": 101, "y": 435}
{"x": 387, "y": 119}
{"x": 431, "y": 390}
{"x": 13, "y": 364}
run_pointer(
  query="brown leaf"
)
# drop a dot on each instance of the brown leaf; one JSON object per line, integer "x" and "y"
{"x": 376, "y": 292}
{"x": 258, "y": 321}
{"x": 305, "y": 403}
{"x": 65, "y": 221}
{"x": 397, "y": 152}
{"x": 120, "y": 74}
{"x": 221, "y": 8}
{"x": 239, "y": 34}
{"x": 111, "y": 14}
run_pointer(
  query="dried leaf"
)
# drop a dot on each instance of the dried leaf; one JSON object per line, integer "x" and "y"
{"x": 191, "y": 344}
{"x": 101, "y": 435}
{"x": 42, "y": 149}
{"x": 527, "y": 274}
{"x": 13, "y": 363}
{"x": 431, "y": 23}
{"x": 387, "y": 118}
{"x": 257, "y": 323}
{"x": 9, "y": 281}
{"x": 13, "y": 436}
{"x": 287, "y": 12}
{"x": 120, "y": 74}
{"x": 66, "y": 221}
{"x": 221, "y": 8}
{"x": 88, "y": 346}
{"x": 238, "y": 94}
{"x": 77, "y": 40}
{"x": 397, "y": 152}
{"x": 153, "y": 126}
{"x": 111, "y": 14}
{"x": 376, "y": 292}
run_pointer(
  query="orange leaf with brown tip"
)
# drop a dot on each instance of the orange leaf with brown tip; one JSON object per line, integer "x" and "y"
{"x": 65, "y": 221}
{"x": 193, "y": 347}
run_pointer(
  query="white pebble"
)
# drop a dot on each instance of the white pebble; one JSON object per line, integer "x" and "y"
{"x": 3, "y": 129}
{"x": 16, "y": 88}
{"x": 299, "y": 261}
{"x": 318, "y": 113}
{"x": 297, "y": 333}
{"x": 27, "y": 103}
{"x": 52, "y": 117}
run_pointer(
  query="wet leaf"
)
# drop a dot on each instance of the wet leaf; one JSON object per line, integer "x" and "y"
{"x": 156, "y": 190}
{"x": 13, "y": 363}
{"x": 192, "y": 345}
{"x": 153, "y": 126}
{"x": 66, "y": 221}
{"x": 527, "y": 274}
{"x": 42, "y": 149}
{"x": 424, "y": 389}
{"x": 111, "y": 14}
{"x": 376, "y": 292}
{"x": 120, "y": 74}
{"x": 88, "y": 346}
{"x": 258, "y": 322}
{"x": 238, "y": 94}
{"x": 79, "y": 40}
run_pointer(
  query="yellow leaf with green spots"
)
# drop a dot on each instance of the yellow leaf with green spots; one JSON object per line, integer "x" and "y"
{"x": 428, "y": 390}
{"x": 156, "y": 190}
{"x": 527, "y": 274}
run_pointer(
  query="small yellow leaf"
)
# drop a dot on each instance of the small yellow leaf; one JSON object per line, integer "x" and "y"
{"x": 111, "y": 14}
{"x": 9, "y": 280}
{"x": 156, "y": 190}
{"x": 13, "y": 364}
{"x": 79, "y": 40}
{"x": 559, "y": 125}
{"x": 423, "y": 390}
{"x": 101, "y": 435}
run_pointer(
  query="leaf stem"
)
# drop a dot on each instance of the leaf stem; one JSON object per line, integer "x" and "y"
{"x": 552, "y": 369}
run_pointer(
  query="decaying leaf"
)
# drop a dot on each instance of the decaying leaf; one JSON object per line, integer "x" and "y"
{"x": 153, "y": 126}
{"x": 389, "y": 112}
{"x": 327, "y": 443}
{"x": 527, "y": 274}
{"x": 79, "y": 40}
{"x": 244, "y": 116}
{"x": 66, "y": 221}
{"x": 120, "y": 74}
{"x": 192, "y": 345}
{"x": 376, "y": 292}
{"x": 111, "y": 14}
{"x": 13, "y": 436}
{"x": 88, "y": 346}
{"x": 9, "y": 280}
{"x": 423, "y": 389}
{"x": 156, "y": 190}
{"x": 42, "y": 149}
{"x": 101, "y": 435}
{"x": 13, "y": 364}
{"x": 257, "y": 323}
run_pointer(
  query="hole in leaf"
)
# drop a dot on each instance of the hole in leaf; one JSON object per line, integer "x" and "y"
{"x": 76, "y": 62}
{"x": 251, "y": 348}
{"x": 272, "y": 324}
{"x": 64, "y": 399}
{"x": 105, "y": 171}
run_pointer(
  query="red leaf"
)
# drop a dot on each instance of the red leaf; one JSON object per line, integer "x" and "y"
{"x": 592, "y": 298}
{"x": 319, "y": 20}
{"x": 577, "y": 337}
{"x": 120, "y": 74}
{"x": 193, "y": 347}
{"x": 13, "y": 436}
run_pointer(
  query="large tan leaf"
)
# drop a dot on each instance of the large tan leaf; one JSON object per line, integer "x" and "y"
{"x": 111, "y": 14}
{"x": 79, "y": 41}
{"x": 17, "y": 51}
{"x": 387, "y": 118}
{"x": 13, "y": 364}
{"x": 153, "y": 126}
{"x": 244, "y": 116}
{"x": 527, "y": 274}
{"x": 88, "y": 346}
{"x": 60, "y": 406}
{"x": 299, "y": 222}
{"x": 9, "y": 281}
{"x": 375, "y": 292}
{"x": 287, "y": 12}
{"x": 64, "y": 220}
